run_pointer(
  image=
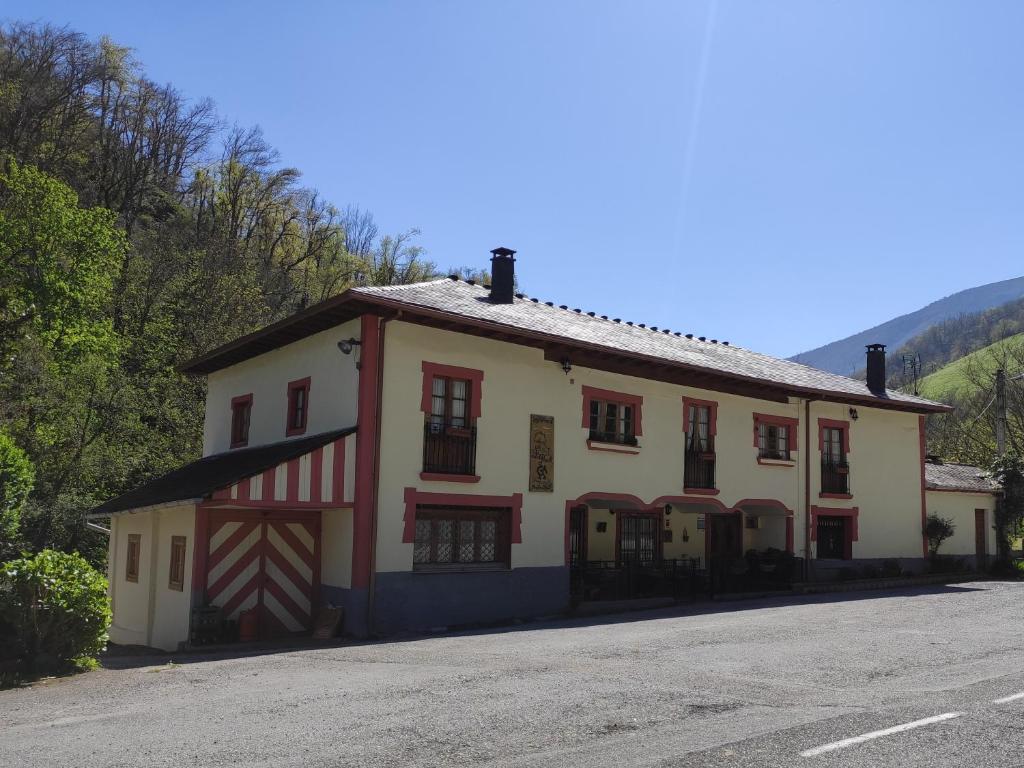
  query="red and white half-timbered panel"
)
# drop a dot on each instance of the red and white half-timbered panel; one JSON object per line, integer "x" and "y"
{"x": 268, "y": 561}
{"x": 323, "y": 478}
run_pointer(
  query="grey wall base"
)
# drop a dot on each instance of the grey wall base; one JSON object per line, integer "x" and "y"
{"x": 354, "y": 602}
{"x": 831, "y": 570}
{"x": 423, "y": 601}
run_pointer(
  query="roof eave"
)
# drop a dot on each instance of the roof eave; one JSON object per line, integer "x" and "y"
{"x": 359, "y": 302}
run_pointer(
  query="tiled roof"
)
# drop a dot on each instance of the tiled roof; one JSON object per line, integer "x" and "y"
{"x": 957, "y": 477}
{"x": 208, "y": 474}
{"x": 466, "y": 300}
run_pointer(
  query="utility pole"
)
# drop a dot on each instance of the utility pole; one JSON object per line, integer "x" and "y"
{"x": 1000, "y": 412}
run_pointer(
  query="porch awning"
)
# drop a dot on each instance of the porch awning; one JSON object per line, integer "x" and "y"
{"x": 304, "y": 472}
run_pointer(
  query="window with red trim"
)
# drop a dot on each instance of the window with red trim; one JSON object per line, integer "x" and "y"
{"x": 700, "y": 423}
{"x": 298, "y": 406}
{"x": 612, "y": 417}
{"x": 241, "y": 414}
{"x": 834, "y": 442}
{"x": 612, "y": 422}
{"x": 775, "y": 437}
{"x": 833, "y": 535}
{"x": 450, "y": 402}
{"x": 461, "y": 538}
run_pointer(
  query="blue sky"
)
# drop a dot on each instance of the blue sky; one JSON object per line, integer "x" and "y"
{"x": 779, "y": 174}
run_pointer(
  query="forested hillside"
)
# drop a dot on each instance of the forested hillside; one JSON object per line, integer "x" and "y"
{"x": 955, "y": 338}
{"x": 959, "y": 359}
{"x": 846, "y": 356}
{"x": 138, "y": 227}
{"x": 958, "y": 379}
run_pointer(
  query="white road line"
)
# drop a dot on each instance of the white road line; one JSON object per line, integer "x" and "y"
{"x": 876, "y": 734}
{"x": 1008, "y": 699}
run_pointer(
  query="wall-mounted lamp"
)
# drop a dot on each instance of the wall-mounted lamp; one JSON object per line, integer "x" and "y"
{"x": 346, "y": 346}
{"x": 566, "y": 365}
{"x": 853, "y": 414}
{"x": 686, "y": 534}
{"x": 668, "y": 509}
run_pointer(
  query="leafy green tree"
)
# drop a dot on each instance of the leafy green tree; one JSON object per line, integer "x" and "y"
{"x": 56, "y": 262}
{"x": 54, "y": 612}
{"x": 16, "y": 480}
{"x": 1008, "y": 471}
{"x": 936, "y": 530}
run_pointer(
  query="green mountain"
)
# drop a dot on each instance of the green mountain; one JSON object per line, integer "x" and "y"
{"x": 958, "y": 379}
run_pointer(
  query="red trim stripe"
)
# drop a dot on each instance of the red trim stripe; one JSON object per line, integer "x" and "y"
{"x": 289, "y": 570}
{"x": 225, "y": 579}
{"x": 292, "y": 487}
{"x": 338, "y": 476}
{"x": 286, "y": 602}
{"x": 228, "y": 545}
{"x": 242, "y": 594}
{"x": 316, "y": 469}
{"x": 293, "y": 541}
{"x": 269, "y": 481}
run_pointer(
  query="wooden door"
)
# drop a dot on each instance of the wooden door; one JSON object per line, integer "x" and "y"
{"x": 268, "y": 562}
{"x": 980, "y": 538}
{"x": 724, "y": 535}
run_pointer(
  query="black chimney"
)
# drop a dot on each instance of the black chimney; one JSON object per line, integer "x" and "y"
{"x": 876, "y": 368}
{"x": 503, "y": 275}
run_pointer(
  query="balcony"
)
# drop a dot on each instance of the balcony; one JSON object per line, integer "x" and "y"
{"x": 699, "y": 469}
{"x": 449, "y": 450}
{"x": 835, "y": 477}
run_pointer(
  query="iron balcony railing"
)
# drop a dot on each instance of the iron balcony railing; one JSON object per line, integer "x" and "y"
{"x": 449, "y": 450}
{"x": 699, "y": 468}
{"x": 835, "y": 477}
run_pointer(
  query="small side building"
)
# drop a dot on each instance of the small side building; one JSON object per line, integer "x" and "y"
{"x": 966, "y": 495}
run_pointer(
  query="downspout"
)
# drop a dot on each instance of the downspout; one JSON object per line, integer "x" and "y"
{"x": 371, "y": 603}
{"x": 807, "y": 488}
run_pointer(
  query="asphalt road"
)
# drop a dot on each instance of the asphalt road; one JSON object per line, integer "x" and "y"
{"x": 788, "y": 681}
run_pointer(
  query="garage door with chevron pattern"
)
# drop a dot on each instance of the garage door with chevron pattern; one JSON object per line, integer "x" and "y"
{"x": 268, "y": 561}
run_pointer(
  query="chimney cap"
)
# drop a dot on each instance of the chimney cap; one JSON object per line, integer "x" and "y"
{"x": 503, "y": 252}
{"x": 876, "y": 347}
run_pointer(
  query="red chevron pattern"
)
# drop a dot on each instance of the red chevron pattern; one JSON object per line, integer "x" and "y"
{"x": 265, "y": 561}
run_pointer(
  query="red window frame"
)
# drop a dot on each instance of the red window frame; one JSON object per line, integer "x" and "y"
{"x": 429, "y": 536}
{"x": 474, "y": 376}
{"x": 605, "y": 396}
{"x": 445, "y": 420}
{"x": 852, "y": 530}
{"x": 298, "y": 406}
{"x": 791, "y": 426}
{"x": 712, "y": 406}
{"x": 824, "y": 424}
{"x": 241, "y": 417}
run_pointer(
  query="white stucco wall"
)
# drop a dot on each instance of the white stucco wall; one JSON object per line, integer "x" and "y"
{"x": 959, "y": 507}
{"x": 148, "y": 612}
{"x": 332, "y": 395}
{"x": 884, "y": 457}
{"x": 336, "y": 547}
